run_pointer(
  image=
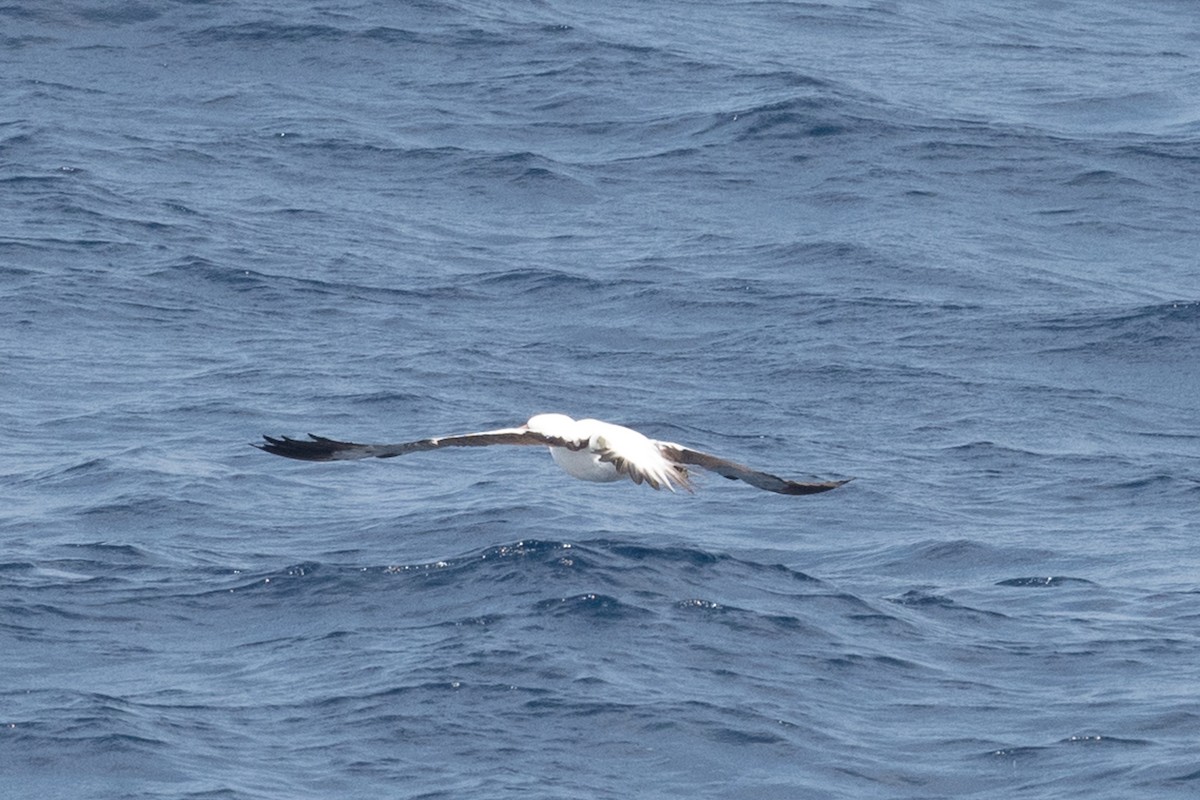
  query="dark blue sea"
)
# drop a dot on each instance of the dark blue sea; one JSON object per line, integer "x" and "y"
{"x": 949, "y": 250}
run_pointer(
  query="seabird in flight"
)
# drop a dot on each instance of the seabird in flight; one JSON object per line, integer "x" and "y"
{"x": 587, "y": 449}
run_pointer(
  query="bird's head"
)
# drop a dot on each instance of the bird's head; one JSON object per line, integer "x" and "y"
{"x": 559, "y": 426}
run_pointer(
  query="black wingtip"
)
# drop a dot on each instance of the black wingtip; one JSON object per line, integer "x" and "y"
{"x": 317, "y": 449}
{"x": 813, "y": 488}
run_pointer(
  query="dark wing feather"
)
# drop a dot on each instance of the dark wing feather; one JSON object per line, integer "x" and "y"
{"x": 674, "y": 474}
{"x": 740, "y": 472}
{"x": 318, "y": 448}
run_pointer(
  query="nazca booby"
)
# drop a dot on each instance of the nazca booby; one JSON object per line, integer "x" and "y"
{"x": 588, "y": 449}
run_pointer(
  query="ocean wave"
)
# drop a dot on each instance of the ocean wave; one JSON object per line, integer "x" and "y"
{"x": 1158, "y": 327}
{"x": 1049, "y": 581}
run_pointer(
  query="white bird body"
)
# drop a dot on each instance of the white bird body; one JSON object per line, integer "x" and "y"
{"x": 589, "y": 464}
{"x": 587, "y": 449}
{"x": 584, "y": 465}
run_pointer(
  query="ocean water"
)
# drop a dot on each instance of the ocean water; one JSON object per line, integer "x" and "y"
{"x": 947, "y": 249}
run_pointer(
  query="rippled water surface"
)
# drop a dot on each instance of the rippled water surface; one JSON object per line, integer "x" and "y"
{"x": 949, "y": 251}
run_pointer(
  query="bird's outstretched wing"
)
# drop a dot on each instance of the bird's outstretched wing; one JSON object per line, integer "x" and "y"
{"x": 740, "y": 472}
{"x": 318, "y": 448}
